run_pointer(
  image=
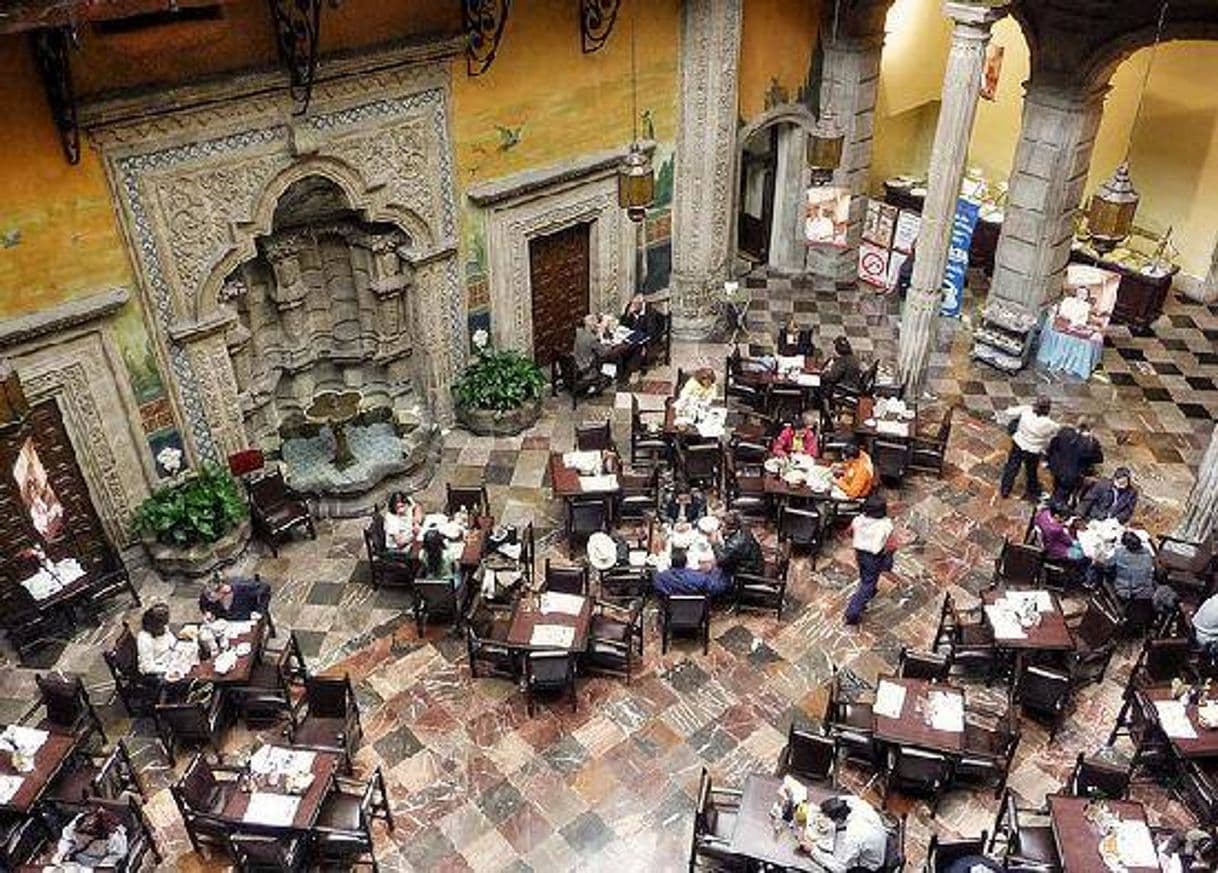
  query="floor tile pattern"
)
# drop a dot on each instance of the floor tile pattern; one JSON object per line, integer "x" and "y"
{"x": 478, "y": 785}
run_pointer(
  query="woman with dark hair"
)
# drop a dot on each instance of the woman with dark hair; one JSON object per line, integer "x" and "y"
{"x": 686, "y": 504}
{"x": 794, "y": 340}
{"x": 1133, "y": 569}
{"x": 154, "y": 643}
{"x": 841, "y": 369}
{"x": 869, "y": 532}
{"x": 401, "y": 521}
{"x": 1055, "y": 536}
{"x": 440, "y": 557}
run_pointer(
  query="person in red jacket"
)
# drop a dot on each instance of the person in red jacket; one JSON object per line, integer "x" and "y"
{"x": 802, "y": 440}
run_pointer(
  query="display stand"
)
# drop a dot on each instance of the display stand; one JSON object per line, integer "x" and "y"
{"x": 1140, "y": 297}
{"x": 1006, "y": 335}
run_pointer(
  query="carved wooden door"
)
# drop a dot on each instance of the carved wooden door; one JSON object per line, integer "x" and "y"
{"x": 44, "y": 499}
{"x": 558, "y": 273}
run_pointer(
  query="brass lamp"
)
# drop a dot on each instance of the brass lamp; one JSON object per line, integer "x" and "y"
{"x": 636, "y": 183}
{"x": 13, "y": 405}
{"x": 1110, "y": 214}
{"x": 825, "y": 144}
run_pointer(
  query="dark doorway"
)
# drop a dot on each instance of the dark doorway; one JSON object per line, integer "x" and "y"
{"x": 758, "y": 172}
{"x": 559, "y": 275}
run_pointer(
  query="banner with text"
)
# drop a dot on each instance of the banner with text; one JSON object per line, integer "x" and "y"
{"x": 963, "y": 225}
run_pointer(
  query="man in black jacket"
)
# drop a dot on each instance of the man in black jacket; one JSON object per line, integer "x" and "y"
{"x": 1071, "y": 455}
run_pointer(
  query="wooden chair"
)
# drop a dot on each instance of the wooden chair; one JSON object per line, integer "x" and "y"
{"x": 916, "y": 770}
{"x": 549, "y": 671}
{"x": 437, "y": 600}
{"x": 759, "y": 591}
{"x": 27, "y": 625}
{"x": 891, "y": 460}
{"x": 1045, "y": 692}
{"x": 276, "y": 509}
{"x": 66, "y": 708}
{"x": 108, "y": 581}
{"x": 1023, "y": 837}
{"x": 648, "y": 444}
{"x": 572, "y": 579}
{"x": 851, "y": 722}
{"x": 388, "y": 567}
{"x": 201, "y": 795}
{"x": 715, "y": 813}
{"x": 744, "y": 491}
{"x": 109, "y": 776}
{"x": 342, "y": 837}
{"x": 1095, "y": 639}
{"x": 659, "y": 341}
{"x": 192, "y": 722}
{"x": 486, "y": 644}
{"x": 684, "y": 614}
{"x": 595, "y": 436}
{"x": 137, "y": 692}
{"x": 941, "y": 854}
{"x": 1098, "y": 777}
{"x": 615, "y": 633}
{"x": 585, "y": 516}
{"x": 810, "y": 755}
{"x": 701, "y": 463}
{"x": 931, "y": 666}
{"x": 1018, "y": 565}
{"x": 928, "y": 454}
{"x": 267, "y": 696}
{"x": 737, "y": 384}
{"x": 580, "y": 385}
{"x": 258, "y": 853}
{"x": 802, "y": 528}
{"x": 327, "y": 717}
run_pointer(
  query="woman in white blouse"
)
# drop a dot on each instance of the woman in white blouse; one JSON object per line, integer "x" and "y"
{"x": 870, "y": 532}
{"x": 155, "y": 641}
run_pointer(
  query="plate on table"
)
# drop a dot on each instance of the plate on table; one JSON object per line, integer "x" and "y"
{"x": 708, "y": 524}
{"x": 772, "y": 465}
{"x": 870, "y": 422}
{"x": 794, "y": 477}
{"x": 243, "y": 649}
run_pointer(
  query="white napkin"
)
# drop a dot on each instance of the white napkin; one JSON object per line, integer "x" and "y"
{"x": 1135, "y": 845}
{"x": 561, "y": 603}
{"x": 26, "y": 739}
{"x": 558, "y": 636}
{"x": 809, "y": 380}
{"x": 582, "y": 461}
{"x": 946, "y": 711}
{"x": 588, "y": 484}
{"x": 789, "y": 362}
{"x": 237, "y": 628}
{"x": 267, "y": 808}
{"x": 224, "y": 661}
{"x": 889, "y": 699}
{"x": 9, "y": 786}
{"x": 893, "y": 428}
{"x": 1042, "y": 599}
{"x": 1173, "y": 718}
{"x": 1004, "y": 622}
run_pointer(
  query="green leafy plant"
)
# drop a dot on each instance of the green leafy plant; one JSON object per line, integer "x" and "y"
{"x": 500, "y": 381}
{"x": 198, "y": 510}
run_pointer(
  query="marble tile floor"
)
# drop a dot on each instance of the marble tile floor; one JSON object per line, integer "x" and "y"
{"x": 478, "y": 785}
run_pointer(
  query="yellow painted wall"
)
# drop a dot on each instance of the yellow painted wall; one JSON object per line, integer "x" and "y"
{"x": 1174, "y": 159}
{"x": 777, "y": 39}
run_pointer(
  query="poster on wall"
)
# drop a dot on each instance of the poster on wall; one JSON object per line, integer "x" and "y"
{"x": 992, "y": 71}
{"x": 1088, "y": 296}
{"x": 879, "y": 223}
{"x": 906, "y": 232}
{"x": 828, "y": 216}
{"x": 963, "y": 225}
{"x": 896, "y": 260}
{"x": 873, "y": 264}
{"x": 46, "y": 512}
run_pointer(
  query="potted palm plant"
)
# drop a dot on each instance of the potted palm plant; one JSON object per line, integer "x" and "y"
{"x": 500, "y": 392}
{"x": 196, "y": 524}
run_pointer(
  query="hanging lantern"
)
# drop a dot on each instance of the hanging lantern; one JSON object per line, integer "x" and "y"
{"x": 825, "y": 144}
{"x": 1110, "y": 215}
{"x": 636, "y": 183}
{"x": 13, "y": 405}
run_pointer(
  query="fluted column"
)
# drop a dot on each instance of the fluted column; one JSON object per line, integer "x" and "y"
{"x": 1051, "y": 164}
{"x": 706, "y": 147}
{"x": 1201, "y": 511}
{"x": 850, "y": 84}
{"x": 973, "y": 23}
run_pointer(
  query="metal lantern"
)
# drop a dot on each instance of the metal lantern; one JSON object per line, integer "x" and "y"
{"x": 636, "y": 183}
{"x": 825, "y": 144}
{"x": 1110, "y": 215}
{"x": 13, "y": 405}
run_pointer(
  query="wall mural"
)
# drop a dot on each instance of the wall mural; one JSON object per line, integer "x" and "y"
{"x": 156, "y": 413}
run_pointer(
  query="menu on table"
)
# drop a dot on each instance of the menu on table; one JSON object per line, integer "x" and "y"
{"x": 889, "y": 699}
{"x": 268, "y": 808}
{"x": 556, "y": 636}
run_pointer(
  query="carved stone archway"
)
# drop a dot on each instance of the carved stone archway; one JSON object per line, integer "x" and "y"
{"x": 196, "y": 186}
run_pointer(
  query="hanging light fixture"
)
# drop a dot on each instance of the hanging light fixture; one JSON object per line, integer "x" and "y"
{"x": 1114, "y": 204}
{"x": 13, "y": 405}
{"x": 636, "y": 179}
{"x": 827, "y": 137}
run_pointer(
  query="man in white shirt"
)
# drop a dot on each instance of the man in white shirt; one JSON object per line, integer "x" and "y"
{"x": 1205, "y": 622}
{"x": 861, "y": 841}
{"x": 1033, "y": 431}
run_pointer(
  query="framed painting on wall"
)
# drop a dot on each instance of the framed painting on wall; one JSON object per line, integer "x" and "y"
{"x": 45, "y": 511}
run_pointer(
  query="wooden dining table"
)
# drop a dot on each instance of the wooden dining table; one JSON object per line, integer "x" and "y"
{"x": 1078, "y": 840}
{"x": 899, "y": 430}
{"x": 205, "y": 671}
{"x": 48, "y": 762}
{"x": 910, "y": 728}
{"x": 1051, "y": 634}
{"x": 1204, "y": 745}
{"x": 475, "y": 543}
{"x": 569, "y": 482}
{"x": 527, "y": 616}
{"x": 754, "y": 835}
{"x": 325, "y": 767}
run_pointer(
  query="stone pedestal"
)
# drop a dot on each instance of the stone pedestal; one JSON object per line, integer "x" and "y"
{"x": 850, "y": 83}
{"x": 961, "y": 84}
{"x": 706, "y": 142}
{"x": 1047, "y": 185}
{"x": 1201, "y": 511}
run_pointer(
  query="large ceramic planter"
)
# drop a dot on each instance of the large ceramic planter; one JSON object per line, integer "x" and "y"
{"x": 199, "y": 560}
{"x": 491, "y": 422}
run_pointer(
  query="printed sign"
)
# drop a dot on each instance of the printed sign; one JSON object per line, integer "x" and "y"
{"x": 906, "y": 233}
{"x": 879, "y": 223}
{"x": 873, "y": 264}
{"x": 992, "y": 71}
{"x": 963, "y": 225}
{"x": 828, "y": 216}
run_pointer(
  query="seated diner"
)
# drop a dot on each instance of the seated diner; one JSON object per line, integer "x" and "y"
{"x": 854, "y": 476}
{"x": 680, "y": 578}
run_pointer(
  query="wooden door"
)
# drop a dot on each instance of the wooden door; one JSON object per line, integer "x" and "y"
{"x": 755, "y": 213}
{"x": 559, "y": 275}
{"x": 42, "y": 453}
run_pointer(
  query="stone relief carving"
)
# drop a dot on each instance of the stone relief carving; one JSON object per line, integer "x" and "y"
{"x": 194, "y": 186}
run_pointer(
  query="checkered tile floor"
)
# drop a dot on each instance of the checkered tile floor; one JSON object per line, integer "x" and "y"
{"x": 478, "y": 785}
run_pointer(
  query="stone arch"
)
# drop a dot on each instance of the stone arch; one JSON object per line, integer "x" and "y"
{"x": 362, "y": 199}
{"x": 796, "y": 114}
{"x": 1104, "y": 60}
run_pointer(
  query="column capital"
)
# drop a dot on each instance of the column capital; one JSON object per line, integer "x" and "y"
{"x": 974, "y": 20}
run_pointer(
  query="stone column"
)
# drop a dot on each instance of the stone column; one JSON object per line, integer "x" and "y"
{"x": 1201, "y": 511}
{"x": 849, "y": 84}
{"x": 788, "y": 252}
{"x": 1047, "y": 183}
{"x": 706, "y": 149}
{"x": 961, "y": 84}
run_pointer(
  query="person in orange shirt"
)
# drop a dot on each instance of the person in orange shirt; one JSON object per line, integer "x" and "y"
{"x": 855, "y": 474}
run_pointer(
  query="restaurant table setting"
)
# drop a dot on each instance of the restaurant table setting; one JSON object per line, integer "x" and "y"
{"x": 21, "y": 744}
{"x": 939, "y": 710}
{"x": 778, "y": 822}
{"x": 799, "y": 470}
{"x": 52, "y": 576}
{"x": 550, "y": 620}
{"x": 794, "y": 369}
{"x": 597, "y": 470}
{"x": 693, "y": 538}
{"x": 890, "y": 416}
{"x": 1099, "y": 538}
{"x": 1116, "y": 832}
{"x": 281, "y": 787}
{"x": 220, "y": 643}
{"x": 709, "y": 420}
{"x": 1014, "y": 613}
